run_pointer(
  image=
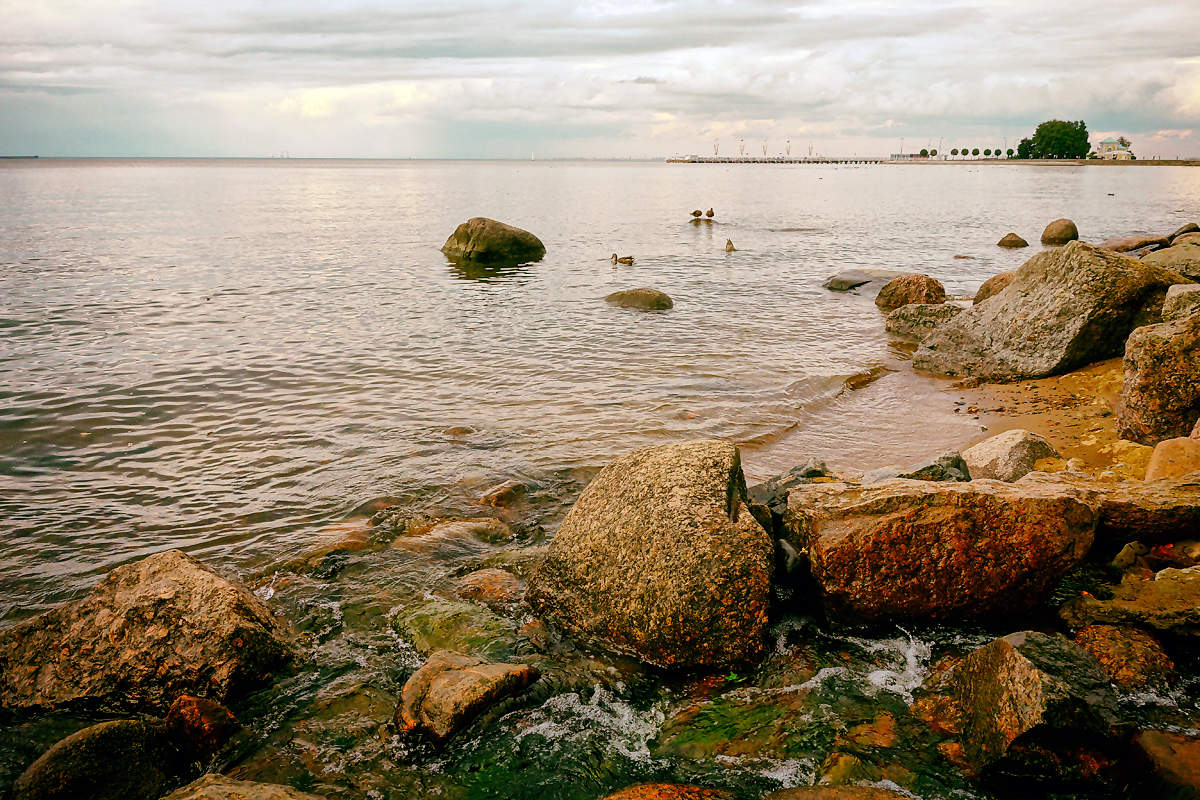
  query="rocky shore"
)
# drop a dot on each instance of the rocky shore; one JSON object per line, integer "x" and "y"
{"x": 1018, "y": 618}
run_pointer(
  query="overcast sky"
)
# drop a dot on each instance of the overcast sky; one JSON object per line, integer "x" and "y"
{"x": 608, "y": 78}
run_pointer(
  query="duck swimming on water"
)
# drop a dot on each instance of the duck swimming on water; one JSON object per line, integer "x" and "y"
{"x": 621, "y": 259}
{"x": 709, "y": 213}
{"x": 697, "y": 213}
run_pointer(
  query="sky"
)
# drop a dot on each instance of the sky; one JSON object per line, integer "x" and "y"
{"x": 595, "y": 79}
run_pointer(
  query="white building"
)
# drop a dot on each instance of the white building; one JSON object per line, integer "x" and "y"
{"x": 1113, "y": 150}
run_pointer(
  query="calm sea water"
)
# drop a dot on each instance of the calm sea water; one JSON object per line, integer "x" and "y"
{"x": 224, "y": 356}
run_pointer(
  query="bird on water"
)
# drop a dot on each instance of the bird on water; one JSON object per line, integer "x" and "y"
{"x": 621, "y": 259}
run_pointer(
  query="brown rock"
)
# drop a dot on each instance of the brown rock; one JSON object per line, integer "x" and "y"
{"x": 1132, "y": 658}
{"x": 219, "y": 787}
{"x": 201, "y": 727}
{"x": 456, "y": 537}
{"x": 451, "y": 689}
{"x": 504, "y": 495}
{"x": 1196, "y": 430}
{"x": 835, "y": 793}
{"x": 660, "y": 558}
{"x": 1182, "y": 257}
{"x": 1012, "y": 240}
{"x": 994, "y": 285}
{"x": 1060, "y": 231}
{"x": 491, "y": 586}
{"x": 1169, "y": 602}
{"x": 487, "y": 241}
{"x": 1174, "y": 764}
{"x": 148, "y": 632}
{"x": 1160, "y": 398}
{"x": 669, "y": 791}
{"x": 1186, "y": 238}
{"x": 917, "y": 320}
{"x": 640, "y": 299}
{"x": 918, "y": 549}
{"x": 1174, "y": 458}
{"x": 1182, "y": 300}
{"x": 1191, "y": 227}
{"x": 910, "y": 289}
{"x": 1127, "y": 243}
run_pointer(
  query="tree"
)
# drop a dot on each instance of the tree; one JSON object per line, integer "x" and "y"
{"x": 1010, "y": 152}
{"x": 975, "y": 151}
{"x": 1058, "y": 139}
{"x": 987, "y": 152}
{"x": 933, "y": 152}
{"x": 954, "y": 152}
{"x": 1025, "y": 148}
{"x": 924, "y": 153}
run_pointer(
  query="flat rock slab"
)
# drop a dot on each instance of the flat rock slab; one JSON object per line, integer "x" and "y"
{"x": 661, "y": 559}
{"x": 1064, "y": 308}
{"x": 1169, "y": 602}
{"x": 452, "y": 689}
{"x": 148, "y": 632}
{"x": 219, "y": 787}
{"x": 909, "y": 549}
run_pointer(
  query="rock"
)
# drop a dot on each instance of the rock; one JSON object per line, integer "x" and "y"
{"x": 836, "y": 793}
{"x": 1012, "y": 240}
{"x": 504, "y": 495}
{"x": 450, "y": 538}
{"x": 994, "y": 286}
{"x": 1060, "y": 231}
{"x": 1182, "y": 257}
{"x": 642, "y": 299}
{"x": 1160, "y": 396}
{"x": 917, "y": 320}
{"x": 1173, "y": 764}
{"x": 1182, "y": 300}
{"x": 83, "y": 767}
{"x": 1127, "y": 243}
{"x": 1187, "y": 238}
{"x": 451, "y": 689}
{"x": 1030, "y": 688}
{"x": 851, "y": 279}
{"x": 1064, "y": 308}
{"x": 946, "y": 467}
{"x": 669, "y": 791}
{"x": 219, "y": 787}
{"x": 910, "y": 289}
{"x": 905, "y": 549}
{"x": 1007, "y": 456}
{"x": 200, "y": 727}
{"x": 148, "y": 632}
{"x": 1196, "y": 430}
{"x": 487, "y": 241}
{"x": 1169, "y": 602}
{"x": 773, "y": 492}
{"x": 660, "y": 558}
{"x": 463, "y": 627}
{"x": 1131, "y": 658}
{"x": 729, "y": 248}
{"x": 1191, "y": 227}
{"x": 492, "y": 586}
{"x": 1174, "y": 458}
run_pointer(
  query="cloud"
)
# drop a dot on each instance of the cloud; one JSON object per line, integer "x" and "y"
{"x": 598, "y": 78}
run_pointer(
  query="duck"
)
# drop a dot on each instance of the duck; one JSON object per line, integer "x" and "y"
{"x": 729, "y": 248}
{"x": 709, "y": 213}
{"x": 697, "y": 213}
{"x": 621, "y": 259}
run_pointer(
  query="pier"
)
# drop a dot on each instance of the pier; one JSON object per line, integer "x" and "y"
{"x": 771, "y": 160}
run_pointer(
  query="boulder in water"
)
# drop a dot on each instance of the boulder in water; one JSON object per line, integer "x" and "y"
{"x": 993, "y": 286}
{"x": 908, "y": 289}
{"x": 918, "y": 320}
{"x": 148, "y": 632}
{"x": 219, "y": 787}
{"x": 661, "y": 559}
{"x": 1160, "y": 396}
{"x": 854, "y": 278}
{"x": 1007, "y": 456}
{"x": 1060, "y": 231}
{"x": 1064, "y": 308}
{"x": 1012, "y": 240}
{"x": 486, "y": 241}
{"x": 641, "y": 299}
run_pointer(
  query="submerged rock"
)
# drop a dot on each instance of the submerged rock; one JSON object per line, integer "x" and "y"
{"x": 641, "y": 299}
{"x": 487, "y": 241}
{"x": 1160, "y": 397}
{"x": 1182, "y": 257}
{"x": 451, "y": 689}
{"x": 1061, "y": 231}
{"x": 1132, "y": 658}
{"x": 219, "y": 787}
{"x": 1169, "y": 602}
{"x": 1012, "y": 240}
{"x": 905, "y": 549}
{"x": 853, "y": 278}
{"x": 1064, "y": 308}
{"x": 1174, "y": 458}
{"x": 491, "y": 586}
{"x": 148, "y": 632}
{"x": 660, "y": 558}
{"x": 918, "y": 320}
{"x": 994, "y": 286}
{"x": 1007, "y": 456}
{"x": 462, "y": 627}
{"x": 908, "y": 289}
{"x": 1173, "y": 764}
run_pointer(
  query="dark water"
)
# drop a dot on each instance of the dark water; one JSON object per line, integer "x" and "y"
{"x": 232, "y": 357}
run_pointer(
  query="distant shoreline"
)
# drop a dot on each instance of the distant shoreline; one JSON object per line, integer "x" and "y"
{"x": 1056, "y": 162}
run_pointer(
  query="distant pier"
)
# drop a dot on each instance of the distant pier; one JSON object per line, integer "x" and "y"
{"x": 771, "y": 160}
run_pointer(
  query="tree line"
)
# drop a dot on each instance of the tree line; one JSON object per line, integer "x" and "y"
{"x": 1054, "y": 138}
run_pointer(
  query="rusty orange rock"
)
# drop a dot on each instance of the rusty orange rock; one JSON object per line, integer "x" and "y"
{"x": 669, "y": 791}
{"x": 1132, "y": 658}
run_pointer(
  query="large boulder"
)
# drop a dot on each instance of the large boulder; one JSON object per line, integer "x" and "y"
{"x": 1064, "y": 308}
{"x": 906, "y": 549}
{"x": 917, "y": 320}
{"x": 994, "y": 286}
{"x": 1132, "y": 658}
{"x": 148, "y": 632}
{"x": 219, "y": 787}
{"x": 452, "y": 689}
{"x": 1182, "y": 300}
{"x": 1169, "y": 602}
{"x": 1160, "y": 397}
{"x": 669, "y": 791}
{"x": 1174, "y": 458}
{"x": 640, "y": 299}
{"x": 1012, "y": 240}
{"x": 1182, "y": 257}
{"x": 487, "y": 241}
{"x": 910, "y": 289}
{"x": 660, "y": 558}
{"x": 1028, "y": 691}
{"x": 1007, "y": 456}
{"x": 1061, "y": 231}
